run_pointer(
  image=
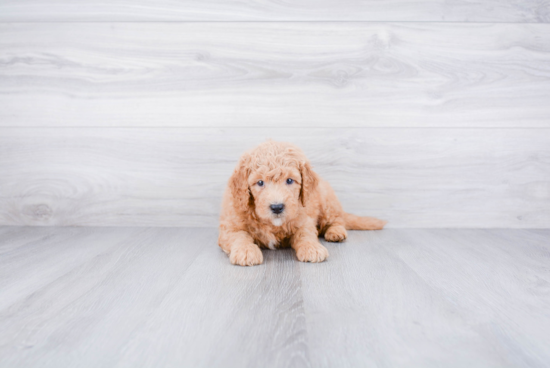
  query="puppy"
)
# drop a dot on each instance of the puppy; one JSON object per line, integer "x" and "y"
{"x": 274, "y": 199}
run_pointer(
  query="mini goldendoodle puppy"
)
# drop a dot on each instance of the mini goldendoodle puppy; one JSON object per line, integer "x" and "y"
{"x": 274, "y": 199}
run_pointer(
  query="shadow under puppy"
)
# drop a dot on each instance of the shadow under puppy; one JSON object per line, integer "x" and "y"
{"x": 274, "y": 199}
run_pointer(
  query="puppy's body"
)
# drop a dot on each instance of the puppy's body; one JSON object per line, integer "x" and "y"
{"x": 274, "y": 199}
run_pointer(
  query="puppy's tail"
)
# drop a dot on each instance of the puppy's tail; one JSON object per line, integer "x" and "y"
{"x": 354, "y": 222}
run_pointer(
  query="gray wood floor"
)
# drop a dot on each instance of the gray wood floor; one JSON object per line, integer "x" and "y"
{"x": 152, "y": 297}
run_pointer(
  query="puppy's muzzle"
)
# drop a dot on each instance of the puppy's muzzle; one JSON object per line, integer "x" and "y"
{"x": 277, "y": 208}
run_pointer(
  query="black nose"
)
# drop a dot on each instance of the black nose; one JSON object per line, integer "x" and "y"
{"x": 277, "y": 208}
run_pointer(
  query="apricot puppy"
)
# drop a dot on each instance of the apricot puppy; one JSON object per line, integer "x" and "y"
{"x": 274, "y": 199}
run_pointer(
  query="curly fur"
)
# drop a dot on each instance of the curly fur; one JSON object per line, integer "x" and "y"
{"x": 311, "y": 207}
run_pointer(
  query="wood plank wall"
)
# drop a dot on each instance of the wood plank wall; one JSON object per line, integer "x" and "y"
{"x": 426, "y": 113}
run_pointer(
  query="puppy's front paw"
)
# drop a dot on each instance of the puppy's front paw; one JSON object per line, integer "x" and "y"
{"x": 311, "y": 252}
{"x": 336, "y": 233}
{"x": 246, "y": 255}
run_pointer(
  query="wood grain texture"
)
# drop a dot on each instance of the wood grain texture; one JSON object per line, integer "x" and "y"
{"x": 459, "y": 297}
{"x": 518, "y": 280}
{"x": 175, "y": 177}
{"x": 271, "y": 10}
{"x": 142, "y": 297}
{"x": 274, "y": 75}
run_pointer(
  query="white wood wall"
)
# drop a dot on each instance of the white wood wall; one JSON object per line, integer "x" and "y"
{"x": 426, "y": 113}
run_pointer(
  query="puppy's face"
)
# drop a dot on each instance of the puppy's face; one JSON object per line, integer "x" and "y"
{"x": 274, "y": 180}
{"x": 276, "y": 193}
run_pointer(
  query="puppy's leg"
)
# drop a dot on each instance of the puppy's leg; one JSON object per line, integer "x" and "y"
{"x": 336, "y": 232}
{"x": 306, "y": 244}
{"x": 334, "y": 222}
{"x": 241, "y": 248}
{"x": 331, "y": 221}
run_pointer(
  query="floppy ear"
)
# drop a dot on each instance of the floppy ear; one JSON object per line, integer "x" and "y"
{"x": 238, "y": 184}
{"x": 309, "y": 182}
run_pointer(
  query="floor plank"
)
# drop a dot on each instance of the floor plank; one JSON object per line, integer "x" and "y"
{"x": 274, "y": 75}
{"x": 504, "y": 272}
{"x": 270, "y": 10}
{"x": 251, "y": 317}
{"x": 125, "y": 278}
{"x": 18, "y": 238}
{"x": 169, "y": 297}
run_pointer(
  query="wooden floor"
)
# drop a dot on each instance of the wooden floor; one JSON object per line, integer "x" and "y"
{"x": 168, "y": 297}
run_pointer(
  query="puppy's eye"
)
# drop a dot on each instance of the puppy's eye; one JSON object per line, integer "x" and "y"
{"x": 289, "y": 181}
{"x": 260, "y": 183}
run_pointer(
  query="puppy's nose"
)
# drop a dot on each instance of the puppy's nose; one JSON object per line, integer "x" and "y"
{"x": 277, "y": 208}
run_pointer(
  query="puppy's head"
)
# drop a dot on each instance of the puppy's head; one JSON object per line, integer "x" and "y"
{"x": 273, "y": 181}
